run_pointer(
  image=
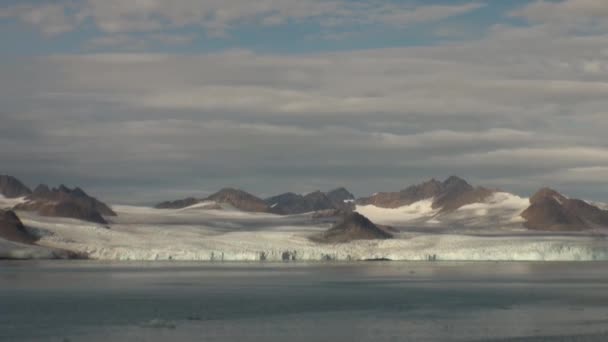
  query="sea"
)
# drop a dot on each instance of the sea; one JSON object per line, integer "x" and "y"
{"x": 73, "y": 301}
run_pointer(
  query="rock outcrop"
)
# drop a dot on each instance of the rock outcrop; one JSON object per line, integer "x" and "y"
{"x": 66, "y": 202}
{"x": 11, "y": 187}
{"x": 353, "y": 227}
{"x": 549, "y": 210}
{"x": 12, "y": 229}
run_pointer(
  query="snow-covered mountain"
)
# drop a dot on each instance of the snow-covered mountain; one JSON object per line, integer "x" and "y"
{"x": 500, "y": 210}
{"x": 449, "y": 195}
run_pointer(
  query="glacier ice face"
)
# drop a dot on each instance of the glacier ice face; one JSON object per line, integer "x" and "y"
{"x": 150, "y": 234}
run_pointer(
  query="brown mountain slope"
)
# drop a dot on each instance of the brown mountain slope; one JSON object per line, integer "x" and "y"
{"x": 552, "y": 211}
{"x": 240, "y": 200}
{"x": 66, "y": 202}
{"x": 354, "y": 226}
{"x": 12, "y": 229}
{"x": 448, "y": 195}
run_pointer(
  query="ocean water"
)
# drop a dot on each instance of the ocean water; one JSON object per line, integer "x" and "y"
{"x": 375, "y": 301}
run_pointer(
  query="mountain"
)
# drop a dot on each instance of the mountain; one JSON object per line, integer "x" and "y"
{"x": 290, "y": 203}
{"x": 235, "y": 198}
{"x": 404, "y": 197}
{"x": 550, "y": 210}
{"x": 12, "y": 229}
{"x": 240, "y": 200}
{"x": 354, "y": 226}
{"x": 448, "y": 195}
{"x": 342, "y": 198}
{"x": 456, "y": 192}
{"x": 318, "y": 201}
{"x": 178, "y": 204}
{"x": 11, "y": 187}
{"x": 66, "y": 202}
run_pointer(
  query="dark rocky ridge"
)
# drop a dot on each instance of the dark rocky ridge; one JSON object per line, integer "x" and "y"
{"x": 178, "y": 204}
{"x": 318, "y": 201}
{"x": 342, "y": 199}
{"x": 552, "y": 211}
{"x": 11, "y": 187}
{"x": 66, "y": 202}
{"x": 290, "y": 203}
{"x": 448, "y": 195}
{"x": 12, "y": 229}
{"x": 353, "y": 227}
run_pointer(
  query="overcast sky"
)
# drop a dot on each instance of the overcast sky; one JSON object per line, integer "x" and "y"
{"x": 139, "y": 101}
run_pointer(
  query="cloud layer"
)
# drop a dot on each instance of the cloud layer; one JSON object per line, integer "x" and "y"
{"x": 520, "y": 107}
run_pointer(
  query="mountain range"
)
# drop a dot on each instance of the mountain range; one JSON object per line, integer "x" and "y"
{"x": 547, "y": 209}
{"x": 56, "y": 202}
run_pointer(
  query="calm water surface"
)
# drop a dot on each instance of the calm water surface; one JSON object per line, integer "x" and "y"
{"x": 93, "y": 301}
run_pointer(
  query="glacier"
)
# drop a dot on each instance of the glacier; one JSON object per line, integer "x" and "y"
{"x": 196, "y": 233}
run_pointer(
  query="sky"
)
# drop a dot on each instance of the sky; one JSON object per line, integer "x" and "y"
{"x": 147, "y": 100}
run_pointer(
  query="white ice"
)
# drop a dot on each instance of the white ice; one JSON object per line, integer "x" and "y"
{"x": 140, "y": 233}
{"x": 8, "y": 203}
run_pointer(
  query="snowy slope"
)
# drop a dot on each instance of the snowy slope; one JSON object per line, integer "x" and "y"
{"x": 8, "y": 203}
{"x": 149, "y": 234}
{"x": 418, "y": 212}
{"x": 500, "y": 210}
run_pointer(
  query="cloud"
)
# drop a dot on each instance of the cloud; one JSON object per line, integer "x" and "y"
{"x": 543, "y": 11}
{"x": 567, "y": 15}
{"x": 520, "y": 107}
{"x": 52, "y": 19}
{"x": 218, "y": 17}
{"x": 137, "y": 42}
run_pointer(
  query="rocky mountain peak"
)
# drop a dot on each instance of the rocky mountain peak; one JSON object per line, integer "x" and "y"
{"x": 11, "y": 187}
{"x": 550, "y": 210}
{"x": 456, "y": 183}
{"x": 547, "y": 194}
